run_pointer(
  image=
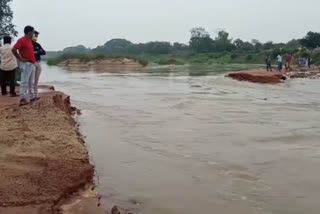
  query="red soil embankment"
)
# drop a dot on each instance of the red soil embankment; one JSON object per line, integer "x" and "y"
{"x": 43, "y": 159}
{"x": 258, "y": 76}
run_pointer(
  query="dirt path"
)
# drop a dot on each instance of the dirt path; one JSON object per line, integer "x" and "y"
{"x": 43, "y": 159}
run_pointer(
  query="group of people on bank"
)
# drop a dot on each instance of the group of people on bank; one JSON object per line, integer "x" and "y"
{"x": 24, "y": 56}
{"x": 289, "y": 62}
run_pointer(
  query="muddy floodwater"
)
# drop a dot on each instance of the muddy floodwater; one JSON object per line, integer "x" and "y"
{"x": 175, "y": 143}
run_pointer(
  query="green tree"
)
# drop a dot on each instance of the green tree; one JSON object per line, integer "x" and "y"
{"x": 137, "y": 48}
{"x": 180, "y": 47}
{"x": 238, "y": 43}
{"x": 247, "y": 46}
{"x": 257, "y": 44}
{"x": 200, "y": 41}
{"x": 268, "y": 45}
{"x": 157, "y": 47}
{"x": 242, "y": 46}
{"x": 76, "y": 49}
{"x": 114, "y": 46}
{"x": 311, "y": 40}
{"x": 222, "y": 42}
{"x": 199, "y": 32}
{"x": 150, "y": 48}
{"x": 293, "y": 44}
{"x": 6, "y": 16}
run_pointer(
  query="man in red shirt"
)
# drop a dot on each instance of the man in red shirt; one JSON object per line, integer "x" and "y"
{"x": 24, "y": 52}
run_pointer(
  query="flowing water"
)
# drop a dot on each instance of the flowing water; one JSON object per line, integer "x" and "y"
{"x": 177, "y": 143}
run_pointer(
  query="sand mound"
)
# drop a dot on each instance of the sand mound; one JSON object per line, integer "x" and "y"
{"x": 107, "y": 65}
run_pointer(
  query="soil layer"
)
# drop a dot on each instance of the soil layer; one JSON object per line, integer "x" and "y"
{"x": 43, "y": 159}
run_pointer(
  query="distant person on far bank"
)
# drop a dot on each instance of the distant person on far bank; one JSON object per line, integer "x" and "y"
{"x": 268, "y": 63}
{"x": 280, "y": 63}
{"x": 309, "y": 62}
{"x": 291, "y": 60}
{"x": 38, "y": 52}
{"x": 24, "y": 52}
{"x": 8, "y": 68}
{"x": 287, "y": 63}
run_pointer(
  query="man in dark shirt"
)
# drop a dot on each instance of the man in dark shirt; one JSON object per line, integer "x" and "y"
{"x": 38, "y": 52}
{"x": 268, "y": 63}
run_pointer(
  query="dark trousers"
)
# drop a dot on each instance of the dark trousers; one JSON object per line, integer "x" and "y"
{"x": 280, "y": 66}
{"x": 269, "y": 67}
{"x": 8, "y": 78}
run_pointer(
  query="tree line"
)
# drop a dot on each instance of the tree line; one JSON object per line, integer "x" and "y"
{"x": 202, "y": 42}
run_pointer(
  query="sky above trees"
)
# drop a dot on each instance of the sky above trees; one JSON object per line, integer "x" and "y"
{"x": 91, "y": 23}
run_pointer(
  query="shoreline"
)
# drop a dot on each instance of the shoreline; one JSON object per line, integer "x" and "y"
{"x": 44, "y": 162}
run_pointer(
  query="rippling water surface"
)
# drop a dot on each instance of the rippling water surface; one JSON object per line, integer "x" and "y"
{"x": 175, "y": 143}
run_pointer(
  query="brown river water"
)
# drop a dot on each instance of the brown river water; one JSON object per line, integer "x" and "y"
{"x": 174, "y": 143}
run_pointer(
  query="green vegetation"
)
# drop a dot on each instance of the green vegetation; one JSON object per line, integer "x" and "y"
{"x": 205, "y": 58}
{"x": 170, "y": 61}
{"x": 90, "y": 57}
{"x": 311, "y": 40}
{"x": 202, "y": 49}
{"x": 6, "y": 16}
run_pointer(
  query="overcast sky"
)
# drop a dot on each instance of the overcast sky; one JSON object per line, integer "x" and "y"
{"x": 65, "y": 23}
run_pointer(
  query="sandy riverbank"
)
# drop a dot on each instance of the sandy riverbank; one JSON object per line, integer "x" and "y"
{"x": 103, "y": 65}
{"x": 44, "y": 164}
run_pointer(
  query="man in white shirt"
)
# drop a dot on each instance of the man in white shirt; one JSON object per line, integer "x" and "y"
{"x": 7, "y": 68}
{"x": 280, "y": 63}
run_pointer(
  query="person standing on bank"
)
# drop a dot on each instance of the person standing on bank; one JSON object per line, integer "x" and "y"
{"x": 309, "y": 62}
{"x": 38, "y": 52}
{"x": 291, "y": 62}
{"x": 280, "y": 63}
{"x": 8, "y": 68}
{"x": 24, "y": 52}
{"x": 268, "y": 63}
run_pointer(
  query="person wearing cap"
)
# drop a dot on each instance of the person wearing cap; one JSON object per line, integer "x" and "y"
{"x": 38, "y": 52}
